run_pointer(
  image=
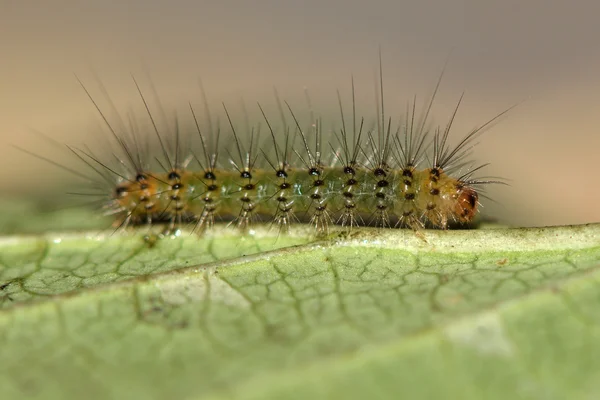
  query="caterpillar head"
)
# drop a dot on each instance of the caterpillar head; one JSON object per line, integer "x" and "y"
{"x": 466, "y": 204}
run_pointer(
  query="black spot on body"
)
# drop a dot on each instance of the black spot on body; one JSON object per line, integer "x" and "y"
{"x": 210, "y": 175}
{"x": 120, "y": 191}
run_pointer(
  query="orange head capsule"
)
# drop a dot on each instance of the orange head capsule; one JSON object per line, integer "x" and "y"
{"x": 466, "y": 204}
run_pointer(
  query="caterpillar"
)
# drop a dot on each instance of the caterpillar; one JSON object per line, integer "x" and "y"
{"x": 389, "y": 175}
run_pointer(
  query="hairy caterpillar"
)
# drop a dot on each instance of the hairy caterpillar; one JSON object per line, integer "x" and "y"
{"x": 403, "y": 174}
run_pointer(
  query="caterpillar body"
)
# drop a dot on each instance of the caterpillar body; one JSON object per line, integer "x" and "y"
{"x": 388, "y": 175}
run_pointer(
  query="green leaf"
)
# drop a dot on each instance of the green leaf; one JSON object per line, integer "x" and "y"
{"x": 496, "y": 313}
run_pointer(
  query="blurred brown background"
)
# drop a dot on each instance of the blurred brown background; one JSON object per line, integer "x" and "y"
{"x": 546, "y": 52}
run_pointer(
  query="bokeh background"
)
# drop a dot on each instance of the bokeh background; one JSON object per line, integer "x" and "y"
{"x": 543, "y": 53}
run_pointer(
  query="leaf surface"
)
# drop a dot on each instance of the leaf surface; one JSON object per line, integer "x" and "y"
{"x": 496, "y": 313}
